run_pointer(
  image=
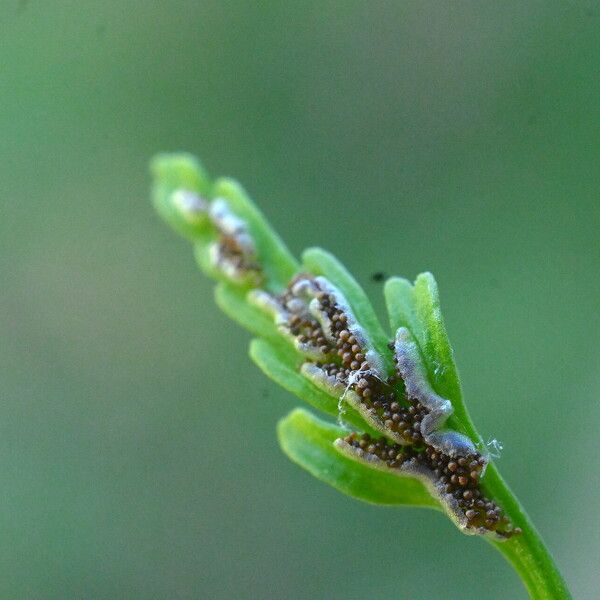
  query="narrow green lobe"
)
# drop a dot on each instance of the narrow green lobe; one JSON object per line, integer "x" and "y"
{"x": 308, "y": 441}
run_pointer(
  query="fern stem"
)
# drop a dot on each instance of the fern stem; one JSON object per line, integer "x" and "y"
{"x": 526, "y": 553}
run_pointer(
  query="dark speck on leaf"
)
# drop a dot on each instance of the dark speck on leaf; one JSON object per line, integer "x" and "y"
{"x": 378, "y": 276}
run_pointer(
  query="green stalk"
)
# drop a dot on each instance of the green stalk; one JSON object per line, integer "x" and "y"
{"x": 527, "y": 552}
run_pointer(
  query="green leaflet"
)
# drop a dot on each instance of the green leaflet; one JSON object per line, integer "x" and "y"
{"x": 233, "y": 302}
{"x": 400, "y": 302}
{"x": 417, "y": 307}
{"x": 281, "y": 363}
{"x": 174, "y": 172}
{"x": 320, "y": 262}
{"x": 202, "y": 256}
{"x": 436, "y": 345}
{"x": 278, "y": 264}
{"x": 308, "y": 441}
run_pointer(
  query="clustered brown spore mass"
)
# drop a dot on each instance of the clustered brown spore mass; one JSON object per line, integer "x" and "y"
{"x": 352, "y": 369}
{"x": 234, "y": 251}
{"x": 231, "y": 252}
{"x": 381, "y": 400}
{"x": 302, "y": 325}
{"x": 457, "y": 477}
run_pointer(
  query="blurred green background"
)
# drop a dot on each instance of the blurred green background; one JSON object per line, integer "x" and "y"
{"x": 138, "y": 456}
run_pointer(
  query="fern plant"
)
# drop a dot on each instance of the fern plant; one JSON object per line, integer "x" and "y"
{"x": 400, "y": 433}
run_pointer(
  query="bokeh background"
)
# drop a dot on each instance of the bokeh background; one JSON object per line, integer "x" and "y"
{"x": 138, "y": 456}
